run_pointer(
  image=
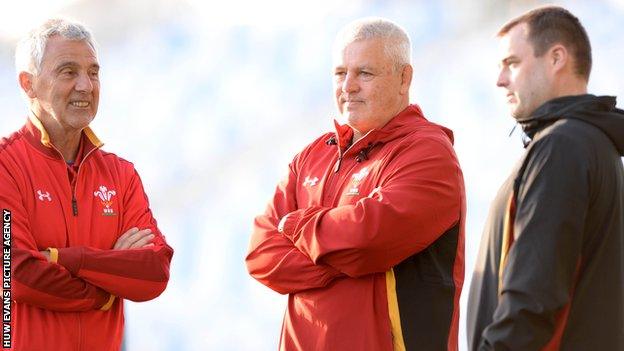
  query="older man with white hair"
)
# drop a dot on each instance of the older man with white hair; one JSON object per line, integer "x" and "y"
{"x": 82, "y": 235}
{"x": 366, "y": 232}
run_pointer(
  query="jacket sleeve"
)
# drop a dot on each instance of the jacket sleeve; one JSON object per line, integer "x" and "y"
{"x": 420, "y": 197}
{"x": 34, "y": 280}
{"x": 538, "y": 279}
{"x": 135, "y": 274}
{"x": 273, "y": 259}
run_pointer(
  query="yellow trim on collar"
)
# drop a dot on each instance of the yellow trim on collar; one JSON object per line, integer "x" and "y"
{"x": 45, "y": 138}
{"x": 53, "y": 254}
{"x": 92, "y": 137}
{"x": 109, "y": 304}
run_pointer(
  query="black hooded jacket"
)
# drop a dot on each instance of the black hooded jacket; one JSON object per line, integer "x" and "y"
{"x": 558, "y": 222}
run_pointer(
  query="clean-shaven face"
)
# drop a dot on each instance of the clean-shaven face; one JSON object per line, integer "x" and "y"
{"x": 367, "y": 85}
{"x": 523, "y": 76}
{"x": 67, "y": 88}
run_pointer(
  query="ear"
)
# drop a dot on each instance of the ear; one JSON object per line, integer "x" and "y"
{"x": 558, "y": 57}
{"x": 25, "y": 80}
{"x": 406, "y": 79}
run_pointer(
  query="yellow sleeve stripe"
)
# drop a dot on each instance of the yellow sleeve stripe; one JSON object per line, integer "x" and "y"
{"x": 109, "y": 304}
{"x": 393, "y": 310}
{"x": 53, "y": 254}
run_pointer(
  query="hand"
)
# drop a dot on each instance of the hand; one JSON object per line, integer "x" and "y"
{"x": 134, "y": 239}
{"x": 46, "y": 253}
{"x": 280, "y": 226}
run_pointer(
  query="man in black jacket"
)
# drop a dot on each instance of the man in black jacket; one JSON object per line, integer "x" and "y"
{"x": 550, "y": 272}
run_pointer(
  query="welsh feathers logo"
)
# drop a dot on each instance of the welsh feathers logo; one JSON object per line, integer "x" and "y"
{"x": 356, "y": 179}
{"x": 106, "y": 198}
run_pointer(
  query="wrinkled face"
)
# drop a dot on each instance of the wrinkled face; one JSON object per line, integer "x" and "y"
{"x": 368, "y": 88}
{"x": 525, "y": 78}
{"x": 67, "y": 88}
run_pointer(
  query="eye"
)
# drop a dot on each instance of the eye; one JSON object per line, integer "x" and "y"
{"x": 68, "y": 72}
{"x": 366, "y": 75}
{"x": 339, "y": 76}
{"x": 94, "y": 73}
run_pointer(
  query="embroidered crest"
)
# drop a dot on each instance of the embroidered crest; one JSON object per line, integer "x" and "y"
{"x": 310, "y": 181}
{"x": 44, "y": 195}
{"x": 106, "y": 198}
{"x": 356, "y": 179}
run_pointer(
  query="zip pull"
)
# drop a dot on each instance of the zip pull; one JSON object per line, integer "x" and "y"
{"x": 74, "y": 205}
{"x": 337, "y": 166}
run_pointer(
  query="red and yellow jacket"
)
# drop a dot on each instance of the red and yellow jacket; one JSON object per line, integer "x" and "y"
{"x": 77, "y": 212}
{"x": 371, "y": 251}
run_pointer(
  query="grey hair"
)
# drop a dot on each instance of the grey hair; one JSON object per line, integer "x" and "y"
{"x": 30, "y": 49}
{"x": 397, "y": 44}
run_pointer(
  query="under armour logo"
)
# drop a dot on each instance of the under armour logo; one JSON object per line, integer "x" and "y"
{"x": 44, "y": 195}
{"x": 310, "y": 182}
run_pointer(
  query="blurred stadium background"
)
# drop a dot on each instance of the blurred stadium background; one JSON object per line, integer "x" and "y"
{"x": 211, "y": 99}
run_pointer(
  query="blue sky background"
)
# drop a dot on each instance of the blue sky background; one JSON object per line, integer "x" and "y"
{"x": 211, "y": 100}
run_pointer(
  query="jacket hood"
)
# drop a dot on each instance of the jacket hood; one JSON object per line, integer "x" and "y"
{"x": 599, "y": 111}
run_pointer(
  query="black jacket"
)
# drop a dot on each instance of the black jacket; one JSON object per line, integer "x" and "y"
{"x": 563, "y": 276}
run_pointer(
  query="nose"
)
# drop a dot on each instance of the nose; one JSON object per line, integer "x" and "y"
{"x": 503, "y": 78}
{"x": 350, "y": 84}
{"x": 84, "y": 83}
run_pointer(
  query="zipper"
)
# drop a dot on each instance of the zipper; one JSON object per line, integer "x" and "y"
{"x": 337, "y": 165}
{"x": 73, "y": 186}
{"x": 74, "y": 204}
{"x": 332, "y": 175}
{"x": 341, "y": 154}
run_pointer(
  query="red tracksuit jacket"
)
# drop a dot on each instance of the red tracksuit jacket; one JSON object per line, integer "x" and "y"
{"x": 78, "y": 212}
{"x": 372, "y": 250}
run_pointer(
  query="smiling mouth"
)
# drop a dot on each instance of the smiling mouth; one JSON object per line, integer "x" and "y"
{"x": 80, "y": 104}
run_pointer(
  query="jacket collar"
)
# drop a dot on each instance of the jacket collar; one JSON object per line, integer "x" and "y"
{"x": 405, "y": 122}
{"x": 599, "y": 111}
{"x": 38, "y": 137}
{"x": 392, "y": 129}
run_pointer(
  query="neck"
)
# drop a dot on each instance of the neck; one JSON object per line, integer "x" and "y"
{"x": 65, "y": 140}
{"x": 357, "y": 135}
{"x": 572, "y": 86}
{"x": 67, "y": 145}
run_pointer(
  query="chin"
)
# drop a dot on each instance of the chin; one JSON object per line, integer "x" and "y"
{"x": 81, "y": 122}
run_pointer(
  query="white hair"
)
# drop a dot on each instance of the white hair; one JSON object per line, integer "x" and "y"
{"x": 30, "y": 49}
{"x": 397, "y": 44}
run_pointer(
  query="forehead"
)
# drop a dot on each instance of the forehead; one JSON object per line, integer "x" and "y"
{"x": 516, "y": 42}
{"x": 361, "y": 52}
{"x": 59, "y": 49}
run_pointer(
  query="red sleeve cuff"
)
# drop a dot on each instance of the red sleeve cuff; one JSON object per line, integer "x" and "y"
{"x": 71, "y": 258}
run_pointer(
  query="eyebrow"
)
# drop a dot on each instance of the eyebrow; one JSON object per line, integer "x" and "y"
{"x": 507, "y": 60}
{"x": 366, "y": 68}
{"x": 64, "y": 64}
{"x": 359, "y": 68}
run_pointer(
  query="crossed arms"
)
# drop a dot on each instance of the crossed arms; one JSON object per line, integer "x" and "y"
{"x": 82, "y": 278}
{"x": 419, "y": 199}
